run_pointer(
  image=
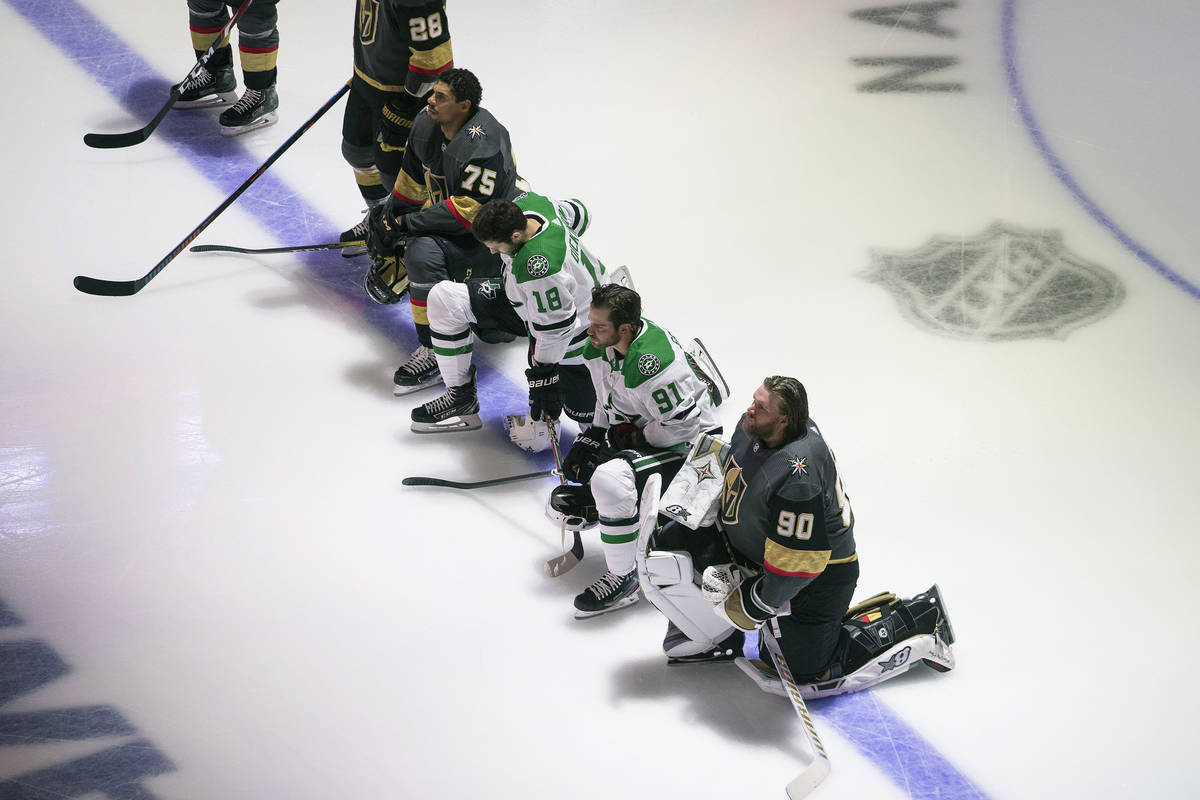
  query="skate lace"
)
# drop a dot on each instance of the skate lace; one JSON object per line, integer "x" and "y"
{"x": 443, "y": 403}
{"x": 248, "y": 101}
{"x": 606, "y": 585}
{"x": 194, "y": 81}
{"x": 361, "y": 228}
{"x": 422, "y": 360}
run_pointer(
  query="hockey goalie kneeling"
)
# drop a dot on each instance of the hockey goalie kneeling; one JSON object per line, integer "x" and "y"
{"x": 716, "y": 612}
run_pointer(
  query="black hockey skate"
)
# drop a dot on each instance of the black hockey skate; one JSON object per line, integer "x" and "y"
{"x": 256, "y": 109}
{"x": 208, "y": 89}
{"x": 456, "y": 410}
{"x": 356, "y": 234}
{"x": 609, "y": 593}
{"x": 419, "y": 372}
{"x": 727, "y": 649}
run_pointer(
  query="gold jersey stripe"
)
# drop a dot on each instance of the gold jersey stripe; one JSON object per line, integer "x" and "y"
{"x": 785, "y": 561}
{"x": 431, "y": 62}
{"x": 410, "y": 189}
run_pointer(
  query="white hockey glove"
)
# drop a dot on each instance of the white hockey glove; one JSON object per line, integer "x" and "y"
{"x": 531, "y": 435}
{"x": 743, "y": 608}
{"x": 694, "y": 495}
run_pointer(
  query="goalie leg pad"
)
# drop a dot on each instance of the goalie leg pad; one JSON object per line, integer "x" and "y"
{"x": 667, "y": 581}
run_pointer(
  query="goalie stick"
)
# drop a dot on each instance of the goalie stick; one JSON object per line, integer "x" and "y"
{"x": 298, "y": 248}
{"x": 816, "y": 766}
{"x": 107, "y": 288}
{"x": 111, "y": 140}
{"x": 571, "y": 558}
{"x": 418, "y": 480}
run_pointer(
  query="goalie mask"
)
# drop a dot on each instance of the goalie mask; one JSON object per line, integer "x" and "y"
{"x": 572, "y": 506}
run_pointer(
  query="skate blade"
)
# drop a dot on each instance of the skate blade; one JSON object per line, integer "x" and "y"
{"x": 624, "y": 601}
{"x": 211, "y": 101}
{"x": 262, "y": 122}
{"x": 399, "y": 390}
{"x": 469, "y": 422}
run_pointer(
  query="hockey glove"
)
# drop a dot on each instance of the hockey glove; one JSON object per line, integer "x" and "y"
{"x": 396, "y": 121}
{"x": 743, "y": 608}
{"x": 626, "y": 436}
{"x": 385, "y": 234}
{"x": 588, "y": 452}
{"x": 544, "y": 397}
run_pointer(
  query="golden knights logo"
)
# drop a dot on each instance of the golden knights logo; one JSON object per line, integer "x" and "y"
{"x": 368, "y": 20}
{"x": 732, "y": 494}
{"x": 1003, "y": 284}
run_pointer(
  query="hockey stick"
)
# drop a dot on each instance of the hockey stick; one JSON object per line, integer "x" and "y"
{"x": 418, "y": 480}
{"x": 108, "y": 288}
{"x": 571, "y": 558}
{"x": 817, "y": 764}
{"x": 110, "y": 140}
{"x": 300, "y": 248}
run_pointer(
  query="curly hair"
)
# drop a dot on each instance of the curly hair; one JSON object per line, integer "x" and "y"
{"x": 497, "y": 220}
{"x": 463, "y": 85}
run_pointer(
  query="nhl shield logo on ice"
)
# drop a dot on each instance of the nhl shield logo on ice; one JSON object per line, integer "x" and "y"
{"x": 1003, "y": 284}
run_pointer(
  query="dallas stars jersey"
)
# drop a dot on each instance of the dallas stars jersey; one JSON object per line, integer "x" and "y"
{"x": 785, "y": 509}
{"x": 401, "y": 45}
{"x": 652, "y": 387}
{"x": 451, "y": 180}
{"x": 549, "y": 282}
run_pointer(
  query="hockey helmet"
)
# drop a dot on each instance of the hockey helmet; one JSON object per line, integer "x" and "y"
{"x": 572, "y": 506}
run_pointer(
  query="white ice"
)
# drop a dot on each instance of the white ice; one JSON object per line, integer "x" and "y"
{"x": 201, "y": 511}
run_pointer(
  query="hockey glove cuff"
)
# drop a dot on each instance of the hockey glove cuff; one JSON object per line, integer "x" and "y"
{"x": 544, "y": 396}
{"x": 385, "y": 234}
{"x": 626, "y": 436}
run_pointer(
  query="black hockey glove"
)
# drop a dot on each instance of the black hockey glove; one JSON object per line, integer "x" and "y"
{"x": 626, "y": 436}
{"x": 588, "y": 452}
{"x": 396, "y": 121}
{"x": 544, "y": 396}
{"x": 385, "y": 234}
{"x": 744, "y": 609}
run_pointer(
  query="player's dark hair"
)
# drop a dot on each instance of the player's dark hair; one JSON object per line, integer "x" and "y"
{"x": 793, "y": 402}
{"x": 497, "y": 221}
{"x": 464, "y": 86}
{"x": 624, "y": 304}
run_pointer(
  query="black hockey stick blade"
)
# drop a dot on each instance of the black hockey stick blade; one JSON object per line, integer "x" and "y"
{"x": 103, "y": 288}
{"x": 299, "y": 248}
{"x": 418, "y": 480}
{"x": 568, "y": 560}
{"x": 114, "y": 140}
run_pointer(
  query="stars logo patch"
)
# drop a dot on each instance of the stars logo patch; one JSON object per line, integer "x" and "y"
{"x": 488, "y": 289}
{"x": 704, "y": 472}
{"x": 475, "y": 131}
{"x": 649, "y": 364}
{"x": 799, "y": 466}
{"x": 537, "y": 266}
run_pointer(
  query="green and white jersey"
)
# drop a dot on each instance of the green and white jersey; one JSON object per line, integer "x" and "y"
{"x": 653, "y": 387}
{"x": 549, "y": 282}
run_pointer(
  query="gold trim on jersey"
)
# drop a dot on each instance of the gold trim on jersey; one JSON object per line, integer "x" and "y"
{"x": 732, "y": 494}
{"x": 846, "y": 560}
{"x": 785, "y": 559}
{"x": 383, "y": 87}
{"x": 410, "y": 189}
{"x": 465, "y": 207}
{"x": 368, "y": 20}
{"x": 435, "y": 60}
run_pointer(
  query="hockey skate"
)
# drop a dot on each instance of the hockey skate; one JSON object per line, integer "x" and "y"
{"x": 609, "y": 593}
{"x": 419, "y": 372}
{"x": 727, "y": 649}
{"x": 255, "y": 109}
{"x": 208, "y": 89}
{"x": 456, "y": 410}
{"x": 356, "y": 234}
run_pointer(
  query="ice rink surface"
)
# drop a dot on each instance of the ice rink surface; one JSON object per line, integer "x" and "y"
{"x": 968, "y": 228}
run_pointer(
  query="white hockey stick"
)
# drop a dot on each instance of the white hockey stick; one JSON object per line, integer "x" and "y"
{"x": 816, "y": 766}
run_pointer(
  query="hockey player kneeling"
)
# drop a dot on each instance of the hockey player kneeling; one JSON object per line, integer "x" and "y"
{"x": 772, "y": 497}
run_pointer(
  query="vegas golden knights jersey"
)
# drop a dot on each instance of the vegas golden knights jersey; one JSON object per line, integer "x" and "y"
{"x": 401, "y": 45}
{"x": 785, "y": 509}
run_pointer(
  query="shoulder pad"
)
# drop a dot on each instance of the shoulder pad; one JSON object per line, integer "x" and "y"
{"x": 650, "y": 354}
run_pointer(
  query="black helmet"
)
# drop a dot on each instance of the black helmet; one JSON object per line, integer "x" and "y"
{"x": 573, "y": 506}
